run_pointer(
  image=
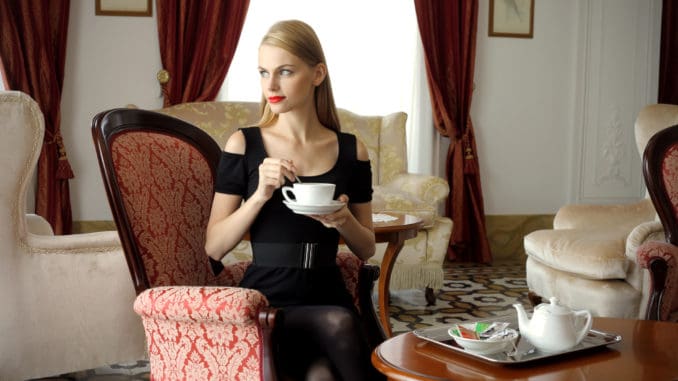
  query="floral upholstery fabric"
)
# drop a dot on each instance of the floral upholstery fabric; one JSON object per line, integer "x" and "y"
{"x": 202, "y": 333}
{"x": 670, "y": 176}
{"x": 669, "y": 254}
{"x": 350, "y": 265}
{"x": 420, "y": 263}
{"x": 169, "y": 196}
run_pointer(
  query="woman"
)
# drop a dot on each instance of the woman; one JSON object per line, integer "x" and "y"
{"x": 319, "y": 336}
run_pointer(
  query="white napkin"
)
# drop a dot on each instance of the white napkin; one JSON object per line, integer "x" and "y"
{"x": 381, "y": 217}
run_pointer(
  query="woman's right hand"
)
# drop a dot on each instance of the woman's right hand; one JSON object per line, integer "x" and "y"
{"x": 272, "y": 175}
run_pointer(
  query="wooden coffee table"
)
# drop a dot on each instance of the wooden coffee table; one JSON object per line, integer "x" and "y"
{"x": 647, "y": 352}
{"x": 395, "y": 232}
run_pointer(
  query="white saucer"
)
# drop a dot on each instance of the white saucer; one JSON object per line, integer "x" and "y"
{"x": 333, "y": 206}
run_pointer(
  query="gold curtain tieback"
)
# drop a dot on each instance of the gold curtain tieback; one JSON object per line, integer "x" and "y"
{"x": 469, "y": 153}
{"x": 163, "y": 76}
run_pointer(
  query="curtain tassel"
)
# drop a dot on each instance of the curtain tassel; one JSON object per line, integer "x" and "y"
{"x": 64, "y": 170}
{"x": 470, "y": 166}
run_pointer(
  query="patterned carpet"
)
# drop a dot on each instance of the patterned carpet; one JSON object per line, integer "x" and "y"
{"x": 470, "y": 291}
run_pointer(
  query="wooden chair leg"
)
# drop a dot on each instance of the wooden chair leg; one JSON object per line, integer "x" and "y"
{"x": 430, "y": 295}
{"x": 535, "y": 299}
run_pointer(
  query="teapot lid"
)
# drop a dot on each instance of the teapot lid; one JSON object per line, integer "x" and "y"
{"x": 554, "y": 308}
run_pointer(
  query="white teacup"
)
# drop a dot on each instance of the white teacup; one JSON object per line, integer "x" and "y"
{"x": 309, "y": 193}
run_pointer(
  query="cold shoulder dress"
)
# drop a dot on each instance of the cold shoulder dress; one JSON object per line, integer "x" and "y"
{"x": 277, "y": 226}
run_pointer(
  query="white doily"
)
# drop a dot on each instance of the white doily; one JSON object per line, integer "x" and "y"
{"x": 381, "y": 217}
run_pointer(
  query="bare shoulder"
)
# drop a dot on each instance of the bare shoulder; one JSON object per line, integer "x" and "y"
{"x": 361, "y": 150}
{"x": 236, "y": 143}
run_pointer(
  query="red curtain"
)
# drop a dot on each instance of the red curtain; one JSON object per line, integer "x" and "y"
{"x": 33, "y": 51}
{"x": 668, "y": 57}
{"x": 197, "y": 43}
{"x": 448, "y": 34}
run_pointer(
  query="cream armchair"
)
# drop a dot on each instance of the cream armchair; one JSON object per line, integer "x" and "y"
{"x": 588, "y": 260}
{"x": 66, "y": 300}
{"x": 420, "y": 263}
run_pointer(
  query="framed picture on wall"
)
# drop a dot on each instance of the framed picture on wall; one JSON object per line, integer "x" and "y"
{"x": 511, "y": 18}
{"x": 124, "y": 8}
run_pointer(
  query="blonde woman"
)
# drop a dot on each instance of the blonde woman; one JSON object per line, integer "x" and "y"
{"x": 319, "y": 337}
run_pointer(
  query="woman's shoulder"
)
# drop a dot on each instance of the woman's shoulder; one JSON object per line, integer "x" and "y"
{"x": 237, "y": 142}
{"x": 354, "y": 144}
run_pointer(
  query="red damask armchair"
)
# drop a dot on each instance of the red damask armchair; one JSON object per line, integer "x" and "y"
{"x": 660, "y": 170}
{"x": 159, "y": 172}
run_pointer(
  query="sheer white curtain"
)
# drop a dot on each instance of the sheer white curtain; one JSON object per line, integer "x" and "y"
{"x": 374, "y": 57}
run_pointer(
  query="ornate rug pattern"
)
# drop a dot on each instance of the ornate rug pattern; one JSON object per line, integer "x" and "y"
{"x": 470, "y": 291}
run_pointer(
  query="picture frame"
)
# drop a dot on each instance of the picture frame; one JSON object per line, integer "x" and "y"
{"x": 511, "y": 18}
{"x": 139, "y": 8}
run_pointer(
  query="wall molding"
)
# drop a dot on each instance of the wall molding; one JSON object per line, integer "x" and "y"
{"x": 616, "y": 79}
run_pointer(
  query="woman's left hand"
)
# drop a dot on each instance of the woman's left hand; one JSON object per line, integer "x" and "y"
{"x": 335, "y": 219}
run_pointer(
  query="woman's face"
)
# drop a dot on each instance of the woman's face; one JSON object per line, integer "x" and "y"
{"x": 287, "y": 82}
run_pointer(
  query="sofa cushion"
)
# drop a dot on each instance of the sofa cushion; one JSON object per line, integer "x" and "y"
{"x": 598, "y": 255}
{"x": 604, "y": 298}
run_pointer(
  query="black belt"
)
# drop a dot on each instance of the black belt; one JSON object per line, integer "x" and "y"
{"x": 300, "y": 255}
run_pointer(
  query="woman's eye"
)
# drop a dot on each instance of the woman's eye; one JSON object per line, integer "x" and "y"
{"x": 285, "y": 72}
{"x": 264, "y": 74}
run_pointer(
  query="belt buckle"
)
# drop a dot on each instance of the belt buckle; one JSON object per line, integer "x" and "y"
{"x": 308, "y": 251}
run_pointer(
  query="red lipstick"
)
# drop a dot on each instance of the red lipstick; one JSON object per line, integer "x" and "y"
{"x": 275, "y": 99}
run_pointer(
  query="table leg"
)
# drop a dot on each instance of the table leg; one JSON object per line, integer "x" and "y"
{"x": 390, "y": 255}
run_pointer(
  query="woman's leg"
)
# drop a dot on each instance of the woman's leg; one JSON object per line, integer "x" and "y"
{"x": 332, "y": 332}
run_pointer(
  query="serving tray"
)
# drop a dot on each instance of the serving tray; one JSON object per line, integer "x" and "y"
{"x": 523, "y": 351}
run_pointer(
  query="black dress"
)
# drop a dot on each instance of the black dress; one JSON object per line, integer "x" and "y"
{"x": 319, "y": 319}
{"x": 276, "y": 223}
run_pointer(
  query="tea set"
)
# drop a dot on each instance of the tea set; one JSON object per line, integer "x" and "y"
{"x": 553, "y": 328}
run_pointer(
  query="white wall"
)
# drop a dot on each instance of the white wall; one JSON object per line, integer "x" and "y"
{"x": 527, "y": 107}
{"x": 523, "y": 110}
{"x": 111, "y": 61}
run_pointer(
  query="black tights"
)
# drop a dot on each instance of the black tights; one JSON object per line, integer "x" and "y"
{"x": 333, "y": 335}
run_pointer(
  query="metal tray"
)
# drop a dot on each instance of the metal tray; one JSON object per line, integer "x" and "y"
{"x": 523, "y": 351}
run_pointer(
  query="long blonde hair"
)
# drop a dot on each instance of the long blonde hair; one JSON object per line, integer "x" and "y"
{"x": 300, "y": 39}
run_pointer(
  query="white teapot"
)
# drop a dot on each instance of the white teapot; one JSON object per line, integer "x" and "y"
{"x": 553, "y": 327}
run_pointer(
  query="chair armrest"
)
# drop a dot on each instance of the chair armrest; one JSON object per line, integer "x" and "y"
{"x": 359, "y": 278}
{"x": 645, "y": 232}
{"x": 661, "y": 259}
{"x": 583, "y": 216}
{"x": 350, "y": 266}
{"x": 225, "y": 329}
{"x": 228, "y": 305}
{"x": 430, "y": 189}
{"x": 413, "y": 194}
{"x": 73, "y": 244}
{"x": 375, "y": 332}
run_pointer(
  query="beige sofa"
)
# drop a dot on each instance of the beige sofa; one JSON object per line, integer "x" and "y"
{"x": 588, "y": 260}
{"x": 420, "y": 264}
{"x": 65, "y": 301}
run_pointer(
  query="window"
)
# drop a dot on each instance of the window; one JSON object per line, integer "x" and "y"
{"x": 373, "y": 55}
